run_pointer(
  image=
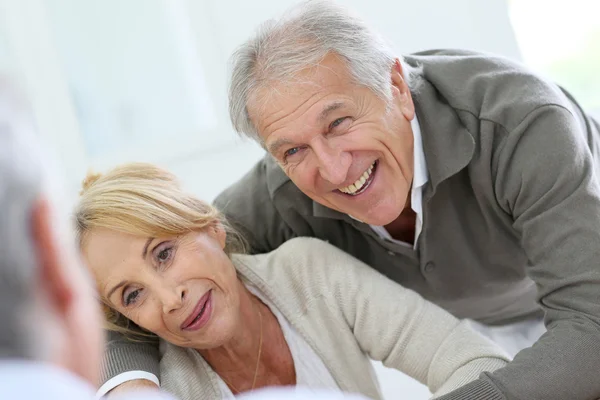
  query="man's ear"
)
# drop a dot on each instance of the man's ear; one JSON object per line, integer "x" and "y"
{"x": 401, "y": 91}
{"x": 52, "y": 275}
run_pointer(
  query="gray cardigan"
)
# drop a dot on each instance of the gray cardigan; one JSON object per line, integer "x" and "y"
{"x": 511, "y": 220}
{"x": 348, "y": 313}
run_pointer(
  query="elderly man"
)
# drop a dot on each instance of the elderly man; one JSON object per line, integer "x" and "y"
{"x": 50, "y": 335}
{"x": 463, "y": 176}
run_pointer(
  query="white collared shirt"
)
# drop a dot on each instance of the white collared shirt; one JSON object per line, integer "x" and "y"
{"x": 420, "y": 178}
{"x": 23, "y": 379}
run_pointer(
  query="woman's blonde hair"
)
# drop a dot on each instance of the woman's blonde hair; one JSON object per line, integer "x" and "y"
{"x": 143, "y": 200}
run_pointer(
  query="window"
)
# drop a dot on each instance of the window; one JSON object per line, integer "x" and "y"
{"x": 561, "y": 39}
{"x": 134, "y": 75}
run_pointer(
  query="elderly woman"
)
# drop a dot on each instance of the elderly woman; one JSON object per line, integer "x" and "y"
{"x": 306, "y": 314}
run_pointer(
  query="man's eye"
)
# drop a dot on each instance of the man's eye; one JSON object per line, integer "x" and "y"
{"x": 292, "y": 151}
{"x": 337, "y": 122}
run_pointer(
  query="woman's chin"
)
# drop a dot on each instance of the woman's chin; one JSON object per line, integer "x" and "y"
{"x": 217, "y": 334}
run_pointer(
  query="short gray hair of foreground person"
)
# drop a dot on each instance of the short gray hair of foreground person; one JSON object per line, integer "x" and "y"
{"x": 298, "y": 393}
{"x": 20, "y": 186}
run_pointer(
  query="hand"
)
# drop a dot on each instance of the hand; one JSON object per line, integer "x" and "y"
{"x": 134, "y": 385}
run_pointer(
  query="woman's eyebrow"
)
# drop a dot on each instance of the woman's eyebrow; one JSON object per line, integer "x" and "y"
{"x": 146, "y": 247}
{"x": 110, "y": 293}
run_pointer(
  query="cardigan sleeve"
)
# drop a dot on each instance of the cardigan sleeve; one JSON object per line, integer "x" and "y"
{"x": 397, "y": 326}
{"x": 122, "y": 356}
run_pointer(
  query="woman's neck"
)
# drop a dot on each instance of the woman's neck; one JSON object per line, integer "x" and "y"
{"x": 243, "y": 346}
{"x": 237, "y": 361}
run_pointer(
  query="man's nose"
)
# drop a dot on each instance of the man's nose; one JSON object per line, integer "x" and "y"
{"x": 333, "y": 163}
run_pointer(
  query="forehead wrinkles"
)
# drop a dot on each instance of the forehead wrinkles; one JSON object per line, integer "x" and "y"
{"x": 280, "y": 119}
{"x": 309, "y": 82}
{"x": 275, "y": 102}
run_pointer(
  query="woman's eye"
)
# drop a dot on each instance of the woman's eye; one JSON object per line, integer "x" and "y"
{"x": 164, "y": 255}
{"x": 131, "y": 297}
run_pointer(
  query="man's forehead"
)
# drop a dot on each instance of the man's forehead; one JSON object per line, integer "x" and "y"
{"x": 281, "y": 96}
{"x": 300, "y": 113}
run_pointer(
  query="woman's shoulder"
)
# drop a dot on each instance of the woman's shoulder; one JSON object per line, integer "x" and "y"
{"x": 184, "y": 373}
{"x": 300, "y": 253}
{"x": 304, "y": 261}
{"x": 303, "y": 244}
{"x": 298, "y": 276}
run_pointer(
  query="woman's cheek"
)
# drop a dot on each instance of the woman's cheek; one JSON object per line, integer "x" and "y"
{"x": 144, "y": 320}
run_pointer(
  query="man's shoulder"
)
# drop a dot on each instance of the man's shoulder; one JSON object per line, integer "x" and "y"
{"x": 261, "y": 183}
{"x": 265, "y": 206}
{"x": 51, "y": 382}
{"x": 144, "y": 395}
{"x": 488, "y": 86}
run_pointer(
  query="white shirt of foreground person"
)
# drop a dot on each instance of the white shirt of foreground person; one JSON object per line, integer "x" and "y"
{"x": 32, "y": 380}
{"x": 298, "y": 393}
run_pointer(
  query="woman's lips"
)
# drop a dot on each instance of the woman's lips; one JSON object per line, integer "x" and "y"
{"x": 201, "y": 314}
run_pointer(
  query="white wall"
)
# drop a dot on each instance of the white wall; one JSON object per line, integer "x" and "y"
{"x": 58, "y": 48}
{"x": 59, "y": 70}
{"x": 408, "y": 25}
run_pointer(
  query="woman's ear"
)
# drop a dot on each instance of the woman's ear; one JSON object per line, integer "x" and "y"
{"x": 217, "y": 230}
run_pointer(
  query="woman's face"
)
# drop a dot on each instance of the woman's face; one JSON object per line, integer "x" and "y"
{"x": 183, "y": 289}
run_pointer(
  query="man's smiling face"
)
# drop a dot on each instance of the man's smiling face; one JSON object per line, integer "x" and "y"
{"x": 340, "y": 143}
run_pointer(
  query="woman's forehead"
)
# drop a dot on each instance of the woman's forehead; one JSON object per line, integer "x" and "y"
{"x": 103, "y": 247}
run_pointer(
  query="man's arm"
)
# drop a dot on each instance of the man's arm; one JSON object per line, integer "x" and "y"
{"x": 547, "y": 180}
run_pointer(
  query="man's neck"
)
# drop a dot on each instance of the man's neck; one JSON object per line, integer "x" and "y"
{"x": 403, "y": 228}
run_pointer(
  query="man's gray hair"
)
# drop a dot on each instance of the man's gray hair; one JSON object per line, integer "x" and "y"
{"x": 20, "y": 186}
{"x": 300, "y": 39}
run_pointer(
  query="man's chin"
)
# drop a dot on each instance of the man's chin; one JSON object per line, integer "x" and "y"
{"x": 378, "y": 216}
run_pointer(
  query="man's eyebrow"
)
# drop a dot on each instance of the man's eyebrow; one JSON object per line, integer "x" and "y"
{"x": 276, "y": 145}
{"x": 329, "y": 109}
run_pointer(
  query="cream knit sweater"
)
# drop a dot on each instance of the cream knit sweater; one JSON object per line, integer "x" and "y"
{"x": 348, "y": 313}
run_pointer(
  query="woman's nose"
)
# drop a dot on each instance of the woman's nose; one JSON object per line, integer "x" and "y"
{"x": 173, "y": 299}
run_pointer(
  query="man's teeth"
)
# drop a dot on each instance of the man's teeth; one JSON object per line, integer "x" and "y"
{"x": 360, "y": 182}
